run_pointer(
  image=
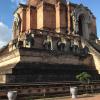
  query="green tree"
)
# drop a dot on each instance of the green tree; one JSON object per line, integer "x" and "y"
{"x": 83, "y": 77}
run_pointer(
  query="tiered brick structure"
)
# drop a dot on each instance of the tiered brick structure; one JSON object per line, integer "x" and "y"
{"x": 57, "y": 16}
{"x": 49, "y": 43}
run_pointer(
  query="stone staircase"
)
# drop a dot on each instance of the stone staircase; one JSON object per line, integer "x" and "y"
{"x": 94, "y": 50}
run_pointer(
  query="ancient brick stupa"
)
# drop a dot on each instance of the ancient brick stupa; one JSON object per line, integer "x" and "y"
{"x": 53, "y": 41}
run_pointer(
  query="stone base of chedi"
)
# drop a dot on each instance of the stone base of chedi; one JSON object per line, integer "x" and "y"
{"x": 53, "y": 41}
{"x": 29, "y": 65}
{"x": 23, "y": 62}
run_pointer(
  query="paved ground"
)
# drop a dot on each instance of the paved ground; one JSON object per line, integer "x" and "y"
{"x": 82, "y": 97}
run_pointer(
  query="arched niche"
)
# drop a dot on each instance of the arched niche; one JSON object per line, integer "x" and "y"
{"x": 81, "y": 21}
{"x": 80, "y": 25}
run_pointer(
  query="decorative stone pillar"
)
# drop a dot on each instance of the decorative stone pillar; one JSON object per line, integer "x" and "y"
{"x": 68, "y": 17}
{"x": 61, "y": 21}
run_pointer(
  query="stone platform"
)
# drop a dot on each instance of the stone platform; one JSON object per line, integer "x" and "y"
{"x": 25, "y": 65}
{"x": 81, "y": 97}
{"x": 48, "y": 91}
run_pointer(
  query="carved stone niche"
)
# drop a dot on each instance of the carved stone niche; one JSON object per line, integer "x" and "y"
{"x": 61, "y": 44}
{"x": 48, "y": 43}
{"x": 29, "y": 41}
{"x": 81, "y": 15}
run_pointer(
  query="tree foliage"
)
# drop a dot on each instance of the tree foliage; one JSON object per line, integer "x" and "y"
{"x": 83, "y": 77}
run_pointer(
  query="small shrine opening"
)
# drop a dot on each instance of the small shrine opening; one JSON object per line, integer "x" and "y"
{"x": 81, "y": 24}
